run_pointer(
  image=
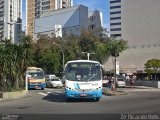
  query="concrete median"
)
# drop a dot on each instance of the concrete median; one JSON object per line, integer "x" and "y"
{"x": 13, "y": 95}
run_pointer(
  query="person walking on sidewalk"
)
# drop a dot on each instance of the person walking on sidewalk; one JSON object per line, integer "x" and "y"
{"x": 132, "y": 80}
{"x": 110, "y": 82}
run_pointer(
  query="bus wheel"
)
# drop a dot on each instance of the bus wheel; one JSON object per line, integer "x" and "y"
{"x": 67, "y": 99}
{"x": 96, "y": 99}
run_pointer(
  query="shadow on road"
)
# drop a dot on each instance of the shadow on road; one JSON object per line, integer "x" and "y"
{"x": 55, "y": 97}
{"x": 60, "y": 97}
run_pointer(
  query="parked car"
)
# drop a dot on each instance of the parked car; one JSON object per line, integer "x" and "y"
{"x": 105, "y": 82}
{"x": 121, "y": 82}
{"x": 53, "y": 81}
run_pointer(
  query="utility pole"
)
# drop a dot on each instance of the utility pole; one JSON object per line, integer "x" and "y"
{"x": 115, "y": 54}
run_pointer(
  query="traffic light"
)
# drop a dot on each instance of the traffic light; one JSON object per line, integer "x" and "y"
{"x": 115, "y": 53}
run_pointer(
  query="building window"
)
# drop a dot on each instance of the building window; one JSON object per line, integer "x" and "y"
{"x": 45, "y": 7}
{"x": 115, "y": 18}
{"x": 116, "y": 29}
{"x": 112, "y": 24}
{"x": 115, "y": 1}
{"x": 155, "y": 45}
{"x": 114, "y": 7}
{"x": 92, "y": 27}
{"x": 46, "y": 3}
{"x": 115, "y": 35}
{"x": 117, "y": 12}
{"x": 92, "y": 18}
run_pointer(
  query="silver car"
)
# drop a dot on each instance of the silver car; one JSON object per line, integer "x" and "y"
{"x": 120, "y": 82}
{"x": 53, "y": 82}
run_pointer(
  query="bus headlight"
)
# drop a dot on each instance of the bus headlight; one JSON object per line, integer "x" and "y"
{"x": 98, "y": 88}
{"x": 69, "y": 88}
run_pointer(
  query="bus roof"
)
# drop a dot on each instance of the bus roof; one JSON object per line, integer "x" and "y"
{"x": 34, "y": 69}
{"x": 82, "y": 61}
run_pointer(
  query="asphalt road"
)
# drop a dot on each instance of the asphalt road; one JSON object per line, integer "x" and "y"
{"x": 51, "y": 101}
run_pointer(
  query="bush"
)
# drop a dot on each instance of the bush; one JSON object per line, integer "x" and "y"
{"x": 113, "y": 93}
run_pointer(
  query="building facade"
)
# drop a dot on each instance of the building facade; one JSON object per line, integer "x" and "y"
{"x": 95, "y": 20}
{"x": 35, "y": 8}
{"x": 136, "y": 21}
{"x": 63, "y": 21}
{"x": 10, "y": 20}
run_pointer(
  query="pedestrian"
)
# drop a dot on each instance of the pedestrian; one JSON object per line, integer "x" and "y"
{"x": 132, "y": 80}
{"x": 112, "y": 84}
{"x": 109, "y": 84}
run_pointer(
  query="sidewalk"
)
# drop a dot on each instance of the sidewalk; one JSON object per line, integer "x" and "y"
{"x": 135, "y": 89}
{"x": 139, "y": 89}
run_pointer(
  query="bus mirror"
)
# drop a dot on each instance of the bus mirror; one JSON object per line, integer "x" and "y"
{"x": 102, "y": 66}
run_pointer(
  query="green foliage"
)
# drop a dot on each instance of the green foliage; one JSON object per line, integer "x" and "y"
{"x": 13, "y": 61}
{"x": 152, "y": 66}
{"x": 117, "y": 45}
{"x": 47, "y": 53}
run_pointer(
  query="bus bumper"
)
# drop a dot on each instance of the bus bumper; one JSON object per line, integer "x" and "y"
{"x": 85, "y": 95}
{"x": 36, "y": 86}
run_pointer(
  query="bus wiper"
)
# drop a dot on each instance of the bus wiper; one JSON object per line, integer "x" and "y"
{"x": 91, "y": 77}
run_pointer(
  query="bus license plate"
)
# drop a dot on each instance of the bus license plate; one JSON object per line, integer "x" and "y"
{"x": 83, "y": 95}
{"x": 36, "y": 86}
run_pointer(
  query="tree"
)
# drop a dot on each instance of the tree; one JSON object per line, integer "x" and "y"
{"x": 117, "y": 46}
{"x": 13, "y": 61}
{"x": 152, "y": 66}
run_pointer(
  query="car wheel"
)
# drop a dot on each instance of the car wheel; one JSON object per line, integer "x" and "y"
{"x": 67, "y": 99}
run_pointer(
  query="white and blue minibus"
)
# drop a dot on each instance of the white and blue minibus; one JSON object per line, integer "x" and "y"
{"x": 83, "y": 79}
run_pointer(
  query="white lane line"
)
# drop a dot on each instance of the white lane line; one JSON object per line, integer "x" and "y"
{"x": 49, "y": 92}
{"x": 58, "y": 92}
{"x": 43, "y": 94}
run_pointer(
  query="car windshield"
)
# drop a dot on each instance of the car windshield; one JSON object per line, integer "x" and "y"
{"x": 37, "y": 75}
{"x": 83, "y": 71}
{"x": 120, "y": 79}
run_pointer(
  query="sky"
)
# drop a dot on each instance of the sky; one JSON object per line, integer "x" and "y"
{"x": 101, "y": 5}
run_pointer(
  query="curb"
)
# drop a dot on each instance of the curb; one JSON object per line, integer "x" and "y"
{"x": 143, "y": 90}
{"x": 113, "y": 93}
{"x": 7, "y": 96}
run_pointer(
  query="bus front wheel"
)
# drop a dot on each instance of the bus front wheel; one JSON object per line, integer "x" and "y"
{"x": 96, "y": 99}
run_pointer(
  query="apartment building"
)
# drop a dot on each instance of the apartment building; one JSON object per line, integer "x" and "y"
{"x": 136, "y": 21}
{"x": 35, "y": 8}
{"x": 10, "y": 20}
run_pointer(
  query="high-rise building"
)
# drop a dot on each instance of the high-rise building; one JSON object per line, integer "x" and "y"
{"x": 95, "y": 19}
{"x": 136, "y": 21}
{"x": 61, "y": 22}
{"x": 10, "y": 20}
{"x": 35, "y": 8}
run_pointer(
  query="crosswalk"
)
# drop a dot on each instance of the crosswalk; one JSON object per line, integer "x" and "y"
{"x": 51, "y": 91}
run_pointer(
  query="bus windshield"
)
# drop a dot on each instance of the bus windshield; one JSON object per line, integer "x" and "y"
{"x": 83, "y": 71}
{"x": 37, "y": 75}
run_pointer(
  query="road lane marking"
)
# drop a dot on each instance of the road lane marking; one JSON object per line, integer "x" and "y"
{"x": 58, "y": 91}
{"x": 49, "y": 92}
{"x": 43, "y": 94}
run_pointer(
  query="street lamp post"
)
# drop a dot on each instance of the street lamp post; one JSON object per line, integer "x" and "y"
{"x": 62, "y": 52}
{"x": 88, "y": 54}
